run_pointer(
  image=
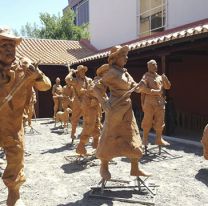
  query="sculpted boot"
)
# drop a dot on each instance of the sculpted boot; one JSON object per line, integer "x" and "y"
{"x": 104, "y": 172}
{"x": 14, "y": 198}
{"x": 136, "y": 171}
{"x": 159, "y": 140}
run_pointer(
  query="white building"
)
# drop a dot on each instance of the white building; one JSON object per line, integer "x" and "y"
{"x": 114, "y": 22}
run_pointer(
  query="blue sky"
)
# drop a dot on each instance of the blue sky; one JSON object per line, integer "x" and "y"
{"x": 16, "y": 13}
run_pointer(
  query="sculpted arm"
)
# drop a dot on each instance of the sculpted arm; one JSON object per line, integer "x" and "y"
{"x": 165, "y": 81}
{"x": 42, "y": 82}
{"x": 143, "y": 88}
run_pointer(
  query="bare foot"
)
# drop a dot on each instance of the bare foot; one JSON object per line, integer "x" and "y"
{"x": 104, "y": 172}
{"x": 81, "y": 149}
{"x": 14, "y": 198}
{"x": 161, "y": 142}
{"x": 140, "y": 172}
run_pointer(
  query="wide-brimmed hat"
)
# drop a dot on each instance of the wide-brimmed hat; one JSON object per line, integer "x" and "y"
{"x": 6, "y": 33}
{"x": 117, "y": 51}
{"x": 82, "y": 68}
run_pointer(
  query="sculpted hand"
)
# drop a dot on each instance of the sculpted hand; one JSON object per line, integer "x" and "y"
{"x": 164, "y": 77}
{"x": 157, "y": 92}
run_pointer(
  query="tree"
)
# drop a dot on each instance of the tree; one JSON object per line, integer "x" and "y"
{"x": 56, "y": 27}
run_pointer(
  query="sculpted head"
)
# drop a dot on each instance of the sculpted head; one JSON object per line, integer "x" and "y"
{"x": 81, "y": 70}
{"x": 8, "y": 43}
{"x": 118, "y": 56}
{"x": 58, "y": 80}
{"x": 152, "y": 66}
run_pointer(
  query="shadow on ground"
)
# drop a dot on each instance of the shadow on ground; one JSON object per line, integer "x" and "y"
{"x": 98, "y": 201}
{"x": 60, "y": 149}
{"x": 202, "y": 176}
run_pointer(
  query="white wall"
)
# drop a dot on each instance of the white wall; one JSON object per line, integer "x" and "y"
{"x": 112, "y": 22}
{"x": 182, "y": 12}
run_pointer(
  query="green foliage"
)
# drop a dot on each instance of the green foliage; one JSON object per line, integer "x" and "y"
{"x": 56, "y": 27}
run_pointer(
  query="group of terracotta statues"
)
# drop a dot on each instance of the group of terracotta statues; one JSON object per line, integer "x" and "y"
{"x": 83, "y": 97}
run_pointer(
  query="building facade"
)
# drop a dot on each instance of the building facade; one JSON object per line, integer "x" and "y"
{"x": 113, "y": 22}
{"x": 81, "y": 10}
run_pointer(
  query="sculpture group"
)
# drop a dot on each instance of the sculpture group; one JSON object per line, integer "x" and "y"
{"x": 81, "y": 97}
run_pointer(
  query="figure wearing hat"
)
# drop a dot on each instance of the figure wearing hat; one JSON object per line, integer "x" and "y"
{"x": 68, "y": 96}
{"x": 57, "y": 91}
{"x": 120, "y": 135}
{"x": 92, "y": 114}
{"x": 80, "y": 83}
{"x": 16, "y": 82}
{"x": 153, "y": 105}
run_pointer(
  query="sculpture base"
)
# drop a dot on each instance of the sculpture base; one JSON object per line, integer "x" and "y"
{"x": 124, "y": 191}
{"x": 157, "y": 154}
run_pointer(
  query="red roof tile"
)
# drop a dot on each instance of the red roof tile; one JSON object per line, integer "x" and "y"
{"x": 53, "y": 51}
{"x": 166, "y": 37}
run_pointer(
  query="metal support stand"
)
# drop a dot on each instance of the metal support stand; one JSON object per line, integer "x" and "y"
{"x": 152, "y": 155}
{"x": 144, "y": 193}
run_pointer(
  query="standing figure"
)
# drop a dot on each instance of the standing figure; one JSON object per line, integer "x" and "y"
{"x": 68, "y": 96}
{"x": 153, "y": 104}
{"x": 92, "y": 113}
{"x": 57, "y": 96}
{"x": 80, "y": 83}
{"x": 15, "y": 92}
{"x": 120, "y": 135}
{"x": 204, "y": 142}
{"x": 29, "y": 110}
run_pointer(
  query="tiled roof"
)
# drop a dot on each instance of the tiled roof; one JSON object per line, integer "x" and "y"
{"x": 53, "y": 51}
{"x": 139, "y": 44}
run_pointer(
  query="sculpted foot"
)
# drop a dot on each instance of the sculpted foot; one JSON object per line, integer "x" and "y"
{"x": 81, "y": 149}
{"x": 104, "y": 172}
{"x": 161, "y": 142}
{"x": 136, "y": 171}
{"x": 14, "y": 198}
{"x": 140, "y": 172}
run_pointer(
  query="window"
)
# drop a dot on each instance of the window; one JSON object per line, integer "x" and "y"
{"x": 82, "y": 12}
{"x": 152, "y": 16}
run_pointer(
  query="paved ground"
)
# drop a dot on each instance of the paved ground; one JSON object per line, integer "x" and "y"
{"x": 54, "y": 181}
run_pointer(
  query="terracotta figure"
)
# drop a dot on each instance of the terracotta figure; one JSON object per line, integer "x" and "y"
{"x": 153, "y": 104}
{"x": 15, "y": 92}
{"x": 68, "y": 97}
{"x": 29, "y": 111}
{"x": 57, "y": 96}
{"x": 92, "y": 114}
{"x": 120, "y": 135}
{"x": 204, "y": 142}
{"x": 80, "y": 83}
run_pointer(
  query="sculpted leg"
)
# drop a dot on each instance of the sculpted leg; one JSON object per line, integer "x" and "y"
{"x": 81, "y": 146}
{"x": 204, "y": 142}
{"x": 135, "y": 170}
{"x": 13, "y": 175}
{"x": 159, "y": 140}
{"x": 76, "y": 114}
{"x": 104, "y": 172}
{"x": 55, "y": 108}
{"x": 145, "y": 136}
